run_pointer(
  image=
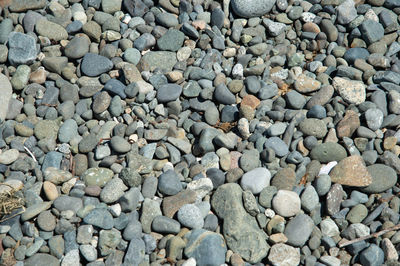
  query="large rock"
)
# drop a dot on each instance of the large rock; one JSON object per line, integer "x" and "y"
{"x": 6, "y": 93}
{"x": 22, "y": 49}
{"x": 240, "y": 229}
{"x": 252, "y": 8}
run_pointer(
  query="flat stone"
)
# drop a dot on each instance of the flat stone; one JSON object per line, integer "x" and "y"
{"x": 35, "y": 209}
{"x": 282, "y": 254}
{"x": 256, "y": 180}
{"x": 97, "y": 176}
{"x": 172, "y": 204}
{"x": 22, "y": 49}
{"x": 100, "y": 218}
{"x": 327, "y": 152}
{"x": 299, "y": 229}
{"x": 56, "y": 176}
{"x": 252, "y": 8}
{"x": 305, "y": 84}
{"x": 6, "y": 93}
{"x": 161, "y": 59}
{"x": 9, "y": 156}
{"x": 348, "y": 125}
{"x": 351, "y": 171}
{"x": 93, "y": 65}
{"x": 24, "y": 5}
{"x": 51, "y": 30}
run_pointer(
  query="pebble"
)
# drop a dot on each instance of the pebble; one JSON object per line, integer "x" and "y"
{"x": 383, "y": 178}
{"x": 351, "y": 171}
{"x": 299, "y": 229}
{"x": 189, "y": 215}
{"x": 256, "y": 180}
{"x": 350, "y": 90}
{"x": 93, "y": 65}
{"x": 248, "y": 9}
{"x": 174, "y": 129}
{"x": 202, "y": 242}
{"x": 286, "y": 203}
{"x": 22, "y": 48}
{"x": 169, "y": 183}
{"x": 284, "y": 254}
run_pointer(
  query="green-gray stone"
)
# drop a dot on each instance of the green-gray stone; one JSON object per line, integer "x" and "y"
{"x": 383, "y": 178}
{"x": 266, "y": 195}
{"x": 238, "y": 225}
{"x": 357, "y": 214}
{"x": 20, "y": 77}
{"x": 160, "y": 59}
{"x": 97, "y": 176}
{"x": 172, "y": 40}
{"x": 108, "y": 241}
{"x": 327, "y": 152}
{"x": 46, "y": 129}
{"x": 51, "y": 30}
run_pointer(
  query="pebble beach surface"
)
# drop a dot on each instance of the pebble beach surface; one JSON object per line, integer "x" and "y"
{"x": 200, "y": 132}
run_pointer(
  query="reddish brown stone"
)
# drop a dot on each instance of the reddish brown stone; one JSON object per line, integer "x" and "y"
{"x": 172, "y": 204}
{"x": 348, "y": 124}
{"x": 250, "y": 100}
{"x": 351, "y": 171}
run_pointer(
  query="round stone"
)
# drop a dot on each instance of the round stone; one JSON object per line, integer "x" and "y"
{"x": 255, "y": 180}
{"x": 286, "y": 203}
{"x": 189, "y": 215}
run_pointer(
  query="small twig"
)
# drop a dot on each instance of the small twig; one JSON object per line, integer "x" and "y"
{"x": 30, "y": 153}
{"x": 344, "y": 242}
{"x": 101, "y": 140}
{"x": 12, "y": 216}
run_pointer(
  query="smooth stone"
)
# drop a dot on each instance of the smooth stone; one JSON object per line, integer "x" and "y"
{"x": 97, "y": 176}
{"x": 77, "y": 47}
{"x": 298, "y": 230}
{"x": 383, "y": 178}
{"x": 93, "y": 65}
{"x": 327, "y": 152}
{"x": 169, "y": 183}
{"x": 190, "y": 216}
{"x": 166, "y": 225}
{"x": 202, "y": 242}
{"x": 286, "y": 203}
{"x": 51, "y": 30}
{"x": 256, "y": 180}
{"x": 168, "y": 93}
{"x": 113, "y": 190}
{"x": 252, "y": 8}
{"x": 9, "y": 156}
{"x": 42, "y": 259}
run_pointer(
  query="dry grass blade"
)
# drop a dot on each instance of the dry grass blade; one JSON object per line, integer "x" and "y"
{"x": 9, "y": 201}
